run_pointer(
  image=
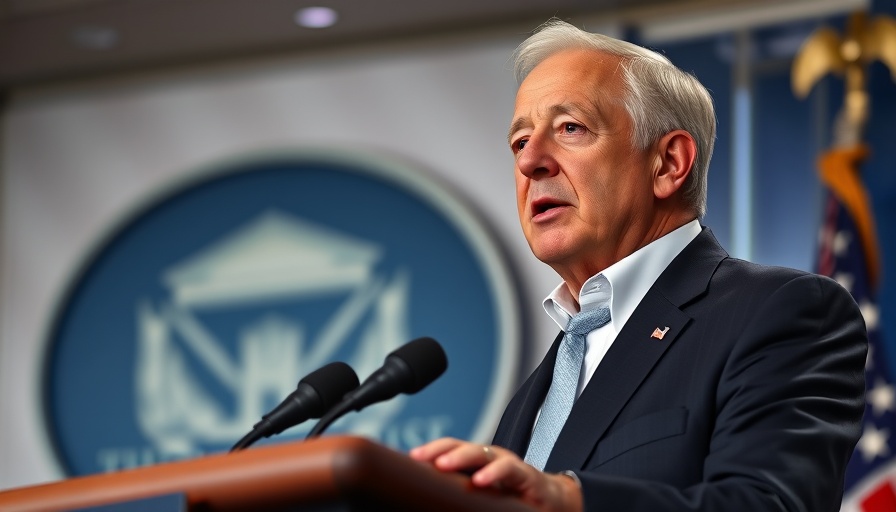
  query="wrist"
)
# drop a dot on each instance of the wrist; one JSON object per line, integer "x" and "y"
{"x": 571, "y": 487}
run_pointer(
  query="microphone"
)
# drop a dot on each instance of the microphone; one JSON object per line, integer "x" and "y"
{"x": 316, "y": 394}
{"x": 407, "y": 369}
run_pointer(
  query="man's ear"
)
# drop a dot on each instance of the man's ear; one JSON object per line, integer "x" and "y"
{"x": 676, "y": 152}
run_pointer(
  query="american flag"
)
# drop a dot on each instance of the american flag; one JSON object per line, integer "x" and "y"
{"x": 848, "y": 254}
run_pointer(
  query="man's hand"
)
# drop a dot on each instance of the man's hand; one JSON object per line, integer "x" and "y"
{"x": 502, "y": 469}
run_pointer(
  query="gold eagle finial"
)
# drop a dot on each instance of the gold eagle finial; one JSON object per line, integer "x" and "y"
{"x": 825, "y": 52}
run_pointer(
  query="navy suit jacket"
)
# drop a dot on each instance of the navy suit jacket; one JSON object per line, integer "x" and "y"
{"x": 751, "y": 401}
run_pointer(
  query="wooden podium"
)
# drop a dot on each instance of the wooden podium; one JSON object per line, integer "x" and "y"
{"x": 340, "y": 473}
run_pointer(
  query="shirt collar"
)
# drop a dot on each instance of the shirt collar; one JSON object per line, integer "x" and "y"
{"x": 624, "y": 283}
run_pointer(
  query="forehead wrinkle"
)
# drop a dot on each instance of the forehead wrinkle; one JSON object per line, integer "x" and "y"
{"x": 570, "y": 109}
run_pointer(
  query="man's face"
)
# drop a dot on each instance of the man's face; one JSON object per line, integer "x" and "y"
{"x": 584, "y": 193}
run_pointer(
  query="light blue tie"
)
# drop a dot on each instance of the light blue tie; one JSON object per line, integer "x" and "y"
{"x": 562, "y": 394}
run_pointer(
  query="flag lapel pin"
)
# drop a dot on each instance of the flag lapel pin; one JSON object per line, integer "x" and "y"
{"x": 658, "y": 334}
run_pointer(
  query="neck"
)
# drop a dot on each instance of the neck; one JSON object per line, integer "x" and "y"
{"x": 579, "y": 271}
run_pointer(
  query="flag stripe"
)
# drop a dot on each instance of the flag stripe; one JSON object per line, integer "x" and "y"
{"x": 881, "y": 499}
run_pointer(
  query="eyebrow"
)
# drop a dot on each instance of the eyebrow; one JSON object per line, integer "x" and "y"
{"x": 516, "y": 125}
{"x": 554, "y": 110}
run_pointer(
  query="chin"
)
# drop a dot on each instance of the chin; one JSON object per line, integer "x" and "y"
{"x": 549, "y": 254}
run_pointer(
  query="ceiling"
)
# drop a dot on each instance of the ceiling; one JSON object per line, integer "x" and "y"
{"x": 51, "y": 40}
{"x": 43, "y": 40}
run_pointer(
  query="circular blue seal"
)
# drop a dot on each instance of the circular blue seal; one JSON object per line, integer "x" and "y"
{"x": 200, "y": 313}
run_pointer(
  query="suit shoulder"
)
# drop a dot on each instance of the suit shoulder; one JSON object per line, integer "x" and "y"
{"x": 745, "y": 282}
{"x": 756, "y": 274}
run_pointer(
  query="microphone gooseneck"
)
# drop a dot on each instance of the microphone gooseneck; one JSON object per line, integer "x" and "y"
{"x": 316, "y": 394}
{"x": 408, "y": 369}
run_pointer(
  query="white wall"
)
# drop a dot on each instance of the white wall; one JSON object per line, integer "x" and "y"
{"x": 77, "y": 158}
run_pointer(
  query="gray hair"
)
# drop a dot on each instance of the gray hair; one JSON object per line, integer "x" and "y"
{"x": 661, "y": 96}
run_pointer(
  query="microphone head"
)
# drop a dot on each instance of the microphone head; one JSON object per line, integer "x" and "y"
{"x": 408, "y": 369}
{"x": 331, "y": 382}
{"x": 425, "y": 361}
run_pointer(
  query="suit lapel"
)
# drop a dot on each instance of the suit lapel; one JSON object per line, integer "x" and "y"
{"x": 635, "y": 351}
{"x": 624, "y": 367}
{"x": 519, "y": 419}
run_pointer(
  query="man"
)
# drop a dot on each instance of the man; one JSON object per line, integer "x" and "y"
{"x": 706, "y": 383}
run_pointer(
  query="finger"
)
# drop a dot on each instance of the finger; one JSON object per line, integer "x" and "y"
{"x": 465, "y": 456}
{"x": 432, "y": 450}
{"x": 488, "y": 453}
{"x": 506, "y": 472}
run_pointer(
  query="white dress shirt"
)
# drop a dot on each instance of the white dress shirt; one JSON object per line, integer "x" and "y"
{"x": 622, "y": 286}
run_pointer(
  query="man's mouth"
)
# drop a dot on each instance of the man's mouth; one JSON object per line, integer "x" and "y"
{"x": 541, "y": 206}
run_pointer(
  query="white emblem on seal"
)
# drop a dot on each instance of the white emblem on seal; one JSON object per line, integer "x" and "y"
{"x": 276, "y": 257}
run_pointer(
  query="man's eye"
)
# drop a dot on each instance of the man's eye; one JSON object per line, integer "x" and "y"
{"x": 520, "y": 144}
{"x": 572, "y": 128}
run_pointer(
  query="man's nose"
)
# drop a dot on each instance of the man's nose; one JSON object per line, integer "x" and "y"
{"x": 536, "y": 159}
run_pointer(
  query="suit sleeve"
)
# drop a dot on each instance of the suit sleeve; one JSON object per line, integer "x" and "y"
{"x": 789, "y": 408}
